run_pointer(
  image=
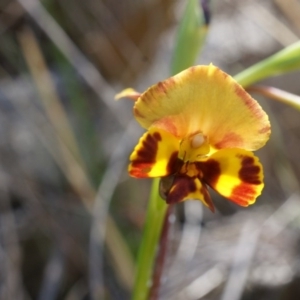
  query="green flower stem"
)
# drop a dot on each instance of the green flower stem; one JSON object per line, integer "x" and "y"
{"x": 286, "y": 60}
{"x": 156, "y": 211}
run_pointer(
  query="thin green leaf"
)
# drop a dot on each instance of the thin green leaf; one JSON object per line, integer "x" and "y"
{"x": 284, "y": 61}
{"x": 191, "y": 36}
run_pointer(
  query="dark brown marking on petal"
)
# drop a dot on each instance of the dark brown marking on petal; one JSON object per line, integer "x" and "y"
{"x": 249, "y": 101}
{"x": 168, "y": 84}
{"x": 146, "y": 155}
{"x": 182, "y": 186}
{"x": 249, "y": 172}
{"x": 171, "y": 81}
{"x": 207, "y": 197}
{"x": 265, "y": 129}
{"x": 147, "y": 97}
{"x": 162, "y": 87}
{"x": 225, "y": 75}
{"x": 244, "y": 95}
{"x": 228, "y": 139}
{"x": 137, "y": 113}
{"x": 193, "y": 69}
{"x": 243, "y": 194}
{"x": 211, "y": 171}
{"x": 157, "y": 136}
{"x": 174, "y": 163}
{"x": 149, "y": 150}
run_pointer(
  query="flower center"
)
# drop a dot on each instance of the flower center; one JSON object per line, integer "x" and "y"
{"x": 197, "y": 140}
{"x": 193, "y": 147}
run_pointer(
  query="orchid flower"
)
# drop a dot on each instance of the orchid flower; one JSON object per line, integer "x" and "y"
{"x": 202, "y": 127}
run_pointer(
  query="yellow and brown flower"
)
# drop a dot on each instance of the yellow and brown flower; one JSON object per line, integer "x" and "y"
{"x": 201, "y": 128}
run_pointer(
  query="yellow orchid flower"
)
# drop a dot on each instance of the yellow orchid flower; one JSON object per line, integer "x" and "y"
{"x": 201, "y": 128}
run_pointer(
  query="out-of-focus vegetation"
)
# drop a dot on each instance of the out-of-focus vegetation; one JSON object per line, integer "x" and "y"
{"x": 64, "y": 146}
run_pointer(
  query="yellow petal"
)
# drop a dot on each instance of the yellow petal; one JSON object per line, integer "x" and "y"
{"x": 207, "y": 100}
{"x": 188, "y": 188}
{"x": 236, "y": 174}
{"x": 128, "y": 93}
{"x": 155, "y": 155}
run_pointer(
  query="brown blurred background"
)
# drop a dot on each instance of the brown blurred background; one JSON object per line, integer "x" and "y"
{"x": 64, "y": 146}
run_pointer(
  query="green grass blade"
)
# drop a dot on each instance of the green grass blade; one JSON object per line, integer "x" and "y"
{"x": 191, "y": 36}
{"x": 286, "y": 60}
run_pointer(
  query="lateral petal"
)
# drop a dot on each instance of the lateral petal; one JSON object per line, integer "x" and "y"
{"x": 189, "y": 188}
{"x": 207, "y": 100}
{"x": 234, "y": 173}
{"x": 128, "y": 93}
{"x": 155, "y": 155}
